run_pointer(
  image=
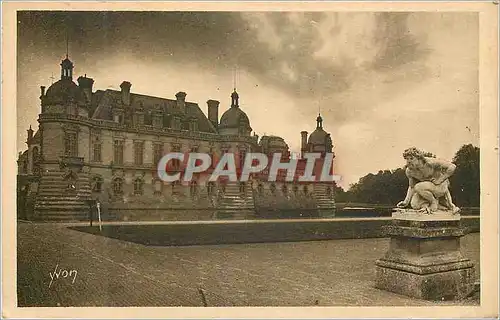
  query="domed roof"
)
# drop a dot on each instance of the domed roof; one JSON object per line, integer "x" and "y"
{"x": 318, "y": 136}
{"x": 273, "y": 141}
{"x": 233, "y": 118}
{"x": 64, "y": 89}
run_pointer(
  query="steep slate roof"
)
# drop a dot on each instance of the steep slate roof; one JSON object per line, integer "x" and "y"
{"x": 104, "y": 101}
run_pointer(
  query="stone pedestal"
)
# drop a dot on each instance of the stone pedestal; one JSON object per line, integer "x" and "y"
{"x": 424, "y": 259}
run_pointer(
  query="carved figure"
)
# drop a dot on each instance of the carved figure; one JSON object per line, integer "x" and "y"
{"x": 428, "y": 189}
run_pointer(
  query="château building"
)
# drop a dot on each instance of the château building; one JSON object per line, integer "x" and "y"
{"x": 106, "y": 144}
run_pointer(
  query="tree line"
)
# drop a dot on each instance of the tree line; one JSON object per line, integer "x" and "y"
{"x": 388, "y": 187}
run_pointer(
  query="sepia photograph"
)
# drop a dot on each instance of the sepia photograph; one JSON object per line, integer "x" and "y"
{"x": 279, "y": 157}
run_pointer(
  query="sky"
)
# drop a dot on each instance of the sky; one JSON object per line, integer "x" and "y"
{"x": 383, "y": 81}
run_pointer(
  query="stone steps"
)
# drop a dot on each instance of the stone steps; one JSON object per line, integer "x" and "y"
{"x": 66, "y": 216}
{"x": 235, "y": 205}
{"x": 54, "y": 202}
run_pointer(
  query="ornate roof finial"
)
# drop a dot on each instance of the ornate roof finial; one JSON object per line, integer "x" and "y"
{"x": 67, "y": 44}
{"x": 319, "y": 121}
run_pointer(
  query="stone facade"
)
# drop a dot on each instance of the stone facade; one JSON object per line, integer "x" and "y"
{"x": 106, "y": 144}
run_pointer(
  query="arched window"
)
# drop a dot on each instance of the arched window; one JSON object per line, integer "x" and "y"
{"x": 329, "y": 191}
{"x": 118, "y": 186}
{"x": 306, "y": 190}
{"x": 96, "y": 184}
{"x": 295, "y": 189}
{"x": 138, "y": 186}
{"x": 242, "y": 187}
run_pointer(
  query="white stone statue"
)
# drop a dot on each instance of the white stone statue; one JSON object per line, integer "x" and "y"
{"x": 428, "y": 189}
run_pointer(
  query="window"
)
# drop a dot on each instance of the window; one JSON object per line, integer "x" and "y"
{"x": 194, "y": 125}
{"x": 138, "y": 152}
{"x": 138, "y": 186}
{"x": 96, "y": 184}
{"x": 193, "y": 188}
{"x": 284, "y": 189}
{"x": 70, "y": 144}
{"x": 175, "y": 164}
{"x": 148, "y": 118}
{"x": 36, "y": 158}
{"x": 242, "y": 187}
{"x": 306, "y": 190}
{"x": 329, "y": 192}
{"x": 118, "y": 152}
{"x": 295, "y": 189}
{"x": 260, "y": 189}
{"x": 242, "y": 158}
{"x": 96, "y": 155}
{"x": 157, "y": 121}
{"x": 175, "y": 186}
{"x": 158, "y": 187}
{"x": 210, "y": 188}
{"x": 273, "y": 188}
{"x": 157, "y": 153}
{"x": 212, "y": 157}
{"x": 118, "y": 186}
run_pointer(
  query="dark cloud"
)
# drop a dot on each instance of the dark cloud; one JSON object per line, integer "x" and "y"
{"x": 215, "y": 40}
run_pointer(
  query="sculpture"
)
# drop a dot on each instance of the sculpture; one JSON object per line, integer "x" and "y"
{"x": 428, "y": 189}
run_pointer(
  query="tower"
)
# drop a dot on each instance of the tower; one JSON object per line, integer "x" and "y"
{"x": 67, "y": 69}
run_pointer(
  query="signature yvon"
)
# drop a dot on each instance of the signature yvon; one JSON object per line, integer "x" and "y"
{"x": 63, "y": 273}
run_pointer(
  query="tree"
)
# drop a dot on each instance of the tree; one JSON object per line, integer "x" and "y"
{"x": 389, "y": 186}
{"x": 386, "y": 187}
{"x": 465, "y": 182}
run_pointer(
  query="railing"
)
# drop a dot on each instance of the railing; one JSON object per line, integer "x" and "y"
{"x": 146, "y": 129}
{"x": 68, "y": 160}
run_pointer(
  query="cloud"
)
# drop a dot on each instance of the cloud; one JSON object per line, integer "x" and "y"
{"x": 379, "y": 77}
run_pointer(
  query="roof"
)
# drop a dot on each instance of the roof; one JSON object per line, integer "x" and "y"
{"x": 233, "y": 118}
{"x": 104, "y": 101}
{"x": 64, "y": 90}
{"x": 318, "y": 136}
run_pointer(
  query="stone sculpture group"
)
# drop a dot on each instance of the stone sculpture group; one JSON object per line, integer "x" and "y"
{"x": 428, "y": 189}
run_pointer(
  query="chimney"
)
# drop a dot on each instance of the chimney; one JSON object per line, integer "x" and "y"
{"x": 30, "y": 133}
{"x": 213, "y": 112}
{"x": 181, "y": 101}
{"x": 86, "y": 85}
{"x": 125, "y": 86}
{"x": 42, "y": 91}
{"x": 303, "y": 143}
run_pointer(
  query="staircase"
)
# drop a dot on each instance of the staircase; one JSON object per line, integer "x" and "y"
{"x": 325, "y": 202}
{"x": 55, "y": 202}
{"x": 235, "y": 205}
